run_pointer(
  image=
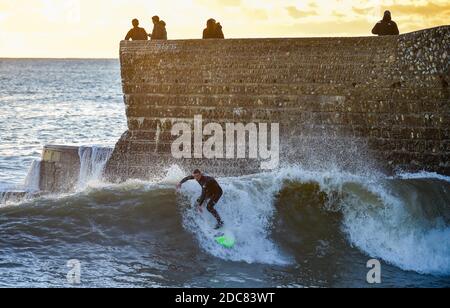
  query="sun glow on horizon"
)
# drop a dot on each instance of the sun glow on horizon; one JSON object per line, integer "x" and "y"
{"x": 93, "y": 28}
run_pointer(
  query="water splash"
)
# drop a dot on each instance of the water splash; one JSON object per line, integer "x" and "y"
{"x": 247, "y": 208}
{"x": 92, "y": 164}
{"x": 379, "y": 217}
{"x": 401, "y": 228}
{"x": 32, "y": 181}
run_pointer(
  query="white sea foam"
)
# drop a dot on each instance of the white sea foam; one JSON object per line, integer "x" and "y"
{"x": 32, "y": 180}
{"x": 423, "y": 175}
{"x": 93, "y": 161}
{"x": 381, "y": 227}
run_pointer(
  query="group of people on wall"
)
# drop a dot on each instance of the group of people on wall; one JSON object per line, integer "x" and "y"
{"x": 213, "y": 29}
{"x": 139, "y": 34}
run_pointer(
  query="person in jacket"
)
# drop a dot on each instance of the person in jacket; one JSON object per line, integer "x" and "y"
{"x": 386, "y": 26}
{"x": 213, "y": 30}
{"x": 159, "y": 29}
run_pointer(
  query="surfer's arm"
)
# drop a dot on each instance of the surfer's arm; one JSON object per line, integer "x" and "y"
{"x": 188, "y": 178}
{"x": 202, "y": 197}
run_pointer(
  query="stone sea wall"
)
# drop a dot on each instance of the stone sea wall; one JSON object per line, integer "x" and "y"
{"x": 353, "y": 102}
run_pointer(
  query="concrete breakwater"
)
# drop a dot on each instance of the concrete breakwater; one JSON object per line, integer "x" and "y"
{"x": 61, "y": 169}
{"x": 383, "y": 100}
{"x": 68, "y": 168}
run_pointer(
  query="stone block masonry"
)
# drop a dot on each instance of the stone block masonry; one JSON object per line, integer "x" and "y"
{"x": 343, "y": 101}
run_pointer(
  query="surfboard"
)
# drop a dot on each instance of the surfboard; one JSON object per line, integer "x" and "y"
{"x": 225, "y": 240}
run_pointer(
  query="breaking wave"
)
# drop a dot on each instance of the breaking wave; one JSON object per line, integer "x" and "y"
{"x": 276, "y": 217}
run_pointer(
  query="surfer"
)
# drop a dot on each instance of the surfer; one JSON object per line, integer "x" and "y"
{"x": 211, "y": 191}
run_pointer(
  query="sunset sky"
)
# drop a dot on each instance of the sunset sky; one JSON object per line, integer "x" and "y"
{"x": 93, "y": 28}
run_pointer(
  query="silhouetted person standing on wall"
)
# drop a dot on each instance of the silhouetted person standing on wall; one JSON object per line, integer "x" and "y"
{"x": 213, "y": 30}
{"x": 159, "y": 29}
{"x": 386, "y": 26}
{"x": 136, "y": 34}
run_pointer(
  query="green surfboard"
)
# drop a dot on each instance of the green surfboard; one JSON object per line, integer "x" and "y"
{"x": 225, "y": 241}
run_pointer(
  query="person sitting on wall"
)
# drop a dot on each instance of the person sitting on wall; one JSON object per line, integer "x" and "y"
{"x": 159, "y": 29}
{"x": 213, "y": 30}
{"x": 163, "y": 29}
{"x": 386, "y": 26}
{"x": 219, "y": 31}
{"x": 137, "y": 33}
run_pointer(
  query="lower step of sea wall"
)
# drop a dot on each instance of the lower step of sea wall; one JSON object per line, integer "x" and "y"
{"x": 60, "y": 168}
{"x": 71, "y": 168}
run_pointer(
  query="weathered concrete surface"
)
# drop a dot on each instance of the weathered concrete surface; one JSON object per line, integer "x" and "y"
{"x": 386, "y": 98}
{"x": 65, "y": 168}
{"x": 58, "y": 171}
{"x": 60, "y": 167}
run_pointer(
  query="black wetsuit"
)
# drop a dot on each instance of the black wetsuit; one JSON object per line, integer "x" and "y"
{"x": 211, "y": 191}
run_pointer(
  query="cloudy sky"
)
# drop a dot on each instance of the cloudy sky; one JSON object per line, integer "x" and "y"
{"x": 93, "y": 28}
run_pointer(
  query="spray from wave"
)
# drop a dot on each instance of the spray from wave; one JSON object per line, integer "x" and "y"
{"x": 404, "y": 222}
{"x": 92, "y": 164}
{"x": 27, "y": 191}
{"x": 248, "y": 210}
{"x": 33, "y": 177}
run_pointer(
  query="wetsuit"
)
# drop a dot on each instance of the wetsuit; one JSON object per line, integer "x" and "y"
{"x": 211, "y": 191}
